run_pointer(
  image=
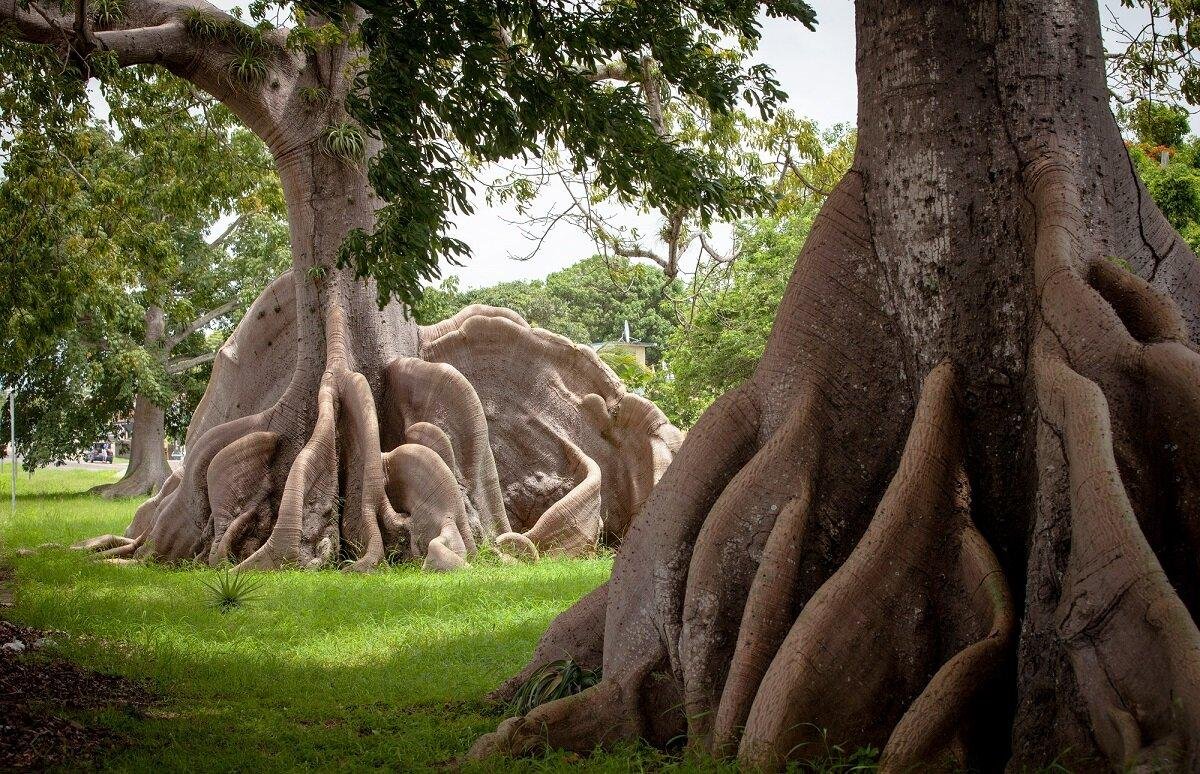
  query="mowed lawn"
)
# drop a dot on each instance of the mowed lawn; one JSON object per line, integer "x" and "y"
{"x": 323, "y": 670}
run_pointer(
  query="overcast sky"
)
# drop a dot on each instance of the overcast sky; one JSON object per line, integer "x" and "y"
{"x": 816, "y": 69}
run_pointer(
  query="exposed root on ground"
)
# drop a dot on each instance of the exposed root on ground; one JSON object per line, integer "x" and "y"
{"x": 399, "y": 460}
{"x": 791, "y": 602}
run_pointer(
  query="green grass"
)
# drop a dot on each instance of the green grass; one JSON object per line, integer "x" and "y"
{"x": 322, "y": 671}
{"x": 318, "y": 670}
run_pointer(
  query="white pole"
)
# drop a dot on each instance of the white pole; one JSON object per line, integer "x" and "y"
{"x": 12, "y": 445}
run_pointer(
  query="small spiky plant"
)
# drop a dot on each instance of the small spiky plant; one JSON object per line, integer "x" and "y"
{"x": 551, "y": 681}
{"x": 202, "y": 25}
{"x": 344, "y": 141}
{"x": 230, "y": 590}
{"x": 247, "y": 67}
{"x": 314, "y": 96}
{"x": 106, "y": 12}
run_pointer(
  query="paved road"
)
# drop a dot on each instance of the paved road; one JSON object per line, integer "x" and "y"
{"x": 117, "y": 468}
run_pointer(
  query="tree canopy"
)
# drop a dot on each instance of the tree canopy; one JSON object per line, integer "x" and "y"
{"x": 456, "y": 83}
{"x": 166, "y": 205}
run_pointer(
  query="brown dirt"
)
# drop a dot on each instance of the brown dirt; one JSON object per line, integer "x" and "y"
{"x": 45, "y": 703}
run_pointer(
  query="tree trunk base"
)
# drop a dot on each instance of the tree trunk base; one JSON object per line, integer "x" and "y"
{"x": 492, "y": 433}
{"x": 132, "y": 485}
{"x": 809, "y": 573}
{"x": 148, "y": 466}
{"x": 142, "y": 479}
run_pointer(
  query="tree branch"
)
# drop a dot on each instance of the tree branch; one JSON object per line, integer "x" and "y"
{"x": 225, "y": 235}
{"x": 179, "y": 366}
{"x": 153, "y": 32}
{"x": 610, "y": 71}
{"x": 34, "y": 23}
{"x": 199, "y": 323}
{"x": 790, "y": 166}
{"x": 160, "y": 44}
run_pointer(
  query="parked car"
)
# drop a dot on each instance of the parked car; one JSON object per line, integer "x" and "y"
{"x": 101, "y": 451}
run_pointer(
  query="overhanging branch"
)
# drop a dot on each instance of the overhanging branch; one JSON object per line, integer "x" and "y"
{"x": 154, "y": 32}
{"x": 160, "y": 44}
{"x": 225, "y": 235}
{"x": 199, "y": 323}
{"x": 179, "y": 366}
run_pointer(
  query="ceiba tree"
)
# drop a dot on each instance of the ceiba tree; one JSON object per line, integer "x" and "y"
{"x": 954, "y": 514}
{"x": 382, "y": 101}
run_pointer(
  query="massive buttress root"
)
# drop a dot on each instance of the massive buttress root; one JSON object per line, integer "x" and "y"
{"x": 813, "y": 569}
{"x": 426, "y": 444}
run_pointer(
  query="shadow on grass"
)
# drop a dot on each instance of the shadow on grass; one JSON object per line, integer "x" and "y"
{"x": 382, "y": 670}
{"x": 325, "y": 670}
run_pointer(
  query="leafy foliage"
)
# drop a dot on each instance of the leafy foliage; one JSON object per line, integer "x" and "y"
{"x": 791, "y": 155}
{"x": 587, "y": 302}
{"x": 1160, "y": 60}
{"x": 1159, "y": 131}
{"x": 721, "y": 344}
{"x": 100, "y": 230}
{"x": 453, "y": 83}
{"x": 554, "y": 680}
{"x": 625, "y": 365}
{"x": 710, "y": 332}
{"x": 1156, "y": 123}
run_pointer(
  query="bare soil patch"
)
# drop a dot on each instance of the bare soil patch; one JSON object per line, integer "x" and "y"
{"x": 46, "y": 702}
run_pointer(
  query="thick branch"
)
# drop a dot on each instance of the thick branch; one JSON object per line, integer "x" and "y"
{"x": 229, "y": 231}
{"x": 160, "y": 44}
{"x": 34, "y": 23}
{"x": 179, "y": 366}
{"x": 199, "y": 323}
{"x": 153, "y": 32}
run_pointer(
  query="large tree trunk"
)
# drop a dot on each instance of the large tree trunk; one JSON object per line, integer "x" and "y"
{"x": 336, "y": 433}
{"x": 148, "y": 466}
{"x": 954, "y": 513}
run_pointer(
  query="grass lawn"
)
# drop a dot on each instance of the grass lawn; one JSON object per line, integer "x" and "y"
{"x": 323, "y": 671}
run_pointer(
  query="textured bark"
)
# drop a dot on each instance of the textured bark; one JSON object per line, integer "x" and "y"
{"x": 148, "y": 466}
{"x": 953, "y": 515}
{"x": 402, "y": 468}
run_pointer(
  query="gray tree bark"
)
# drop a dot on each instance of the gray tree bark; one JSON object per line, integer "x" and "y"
{"x": 148, "y": 466}
{"x": 953, "y": 516}
{"x": 336, "y": 433}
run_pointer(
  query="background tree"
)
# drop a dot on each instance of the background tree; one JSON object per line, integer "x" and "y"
{"x": 725, "y": 331}
{"x": 588, "y": 302}
{"x": 952, "y": 514}
{"x": 117, "y": 290}
{"x": 381, "y": 102}
{"x": 1166, "y": 160}
{"x": 726, "y": 309}
{"x": 711, "y": 321}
